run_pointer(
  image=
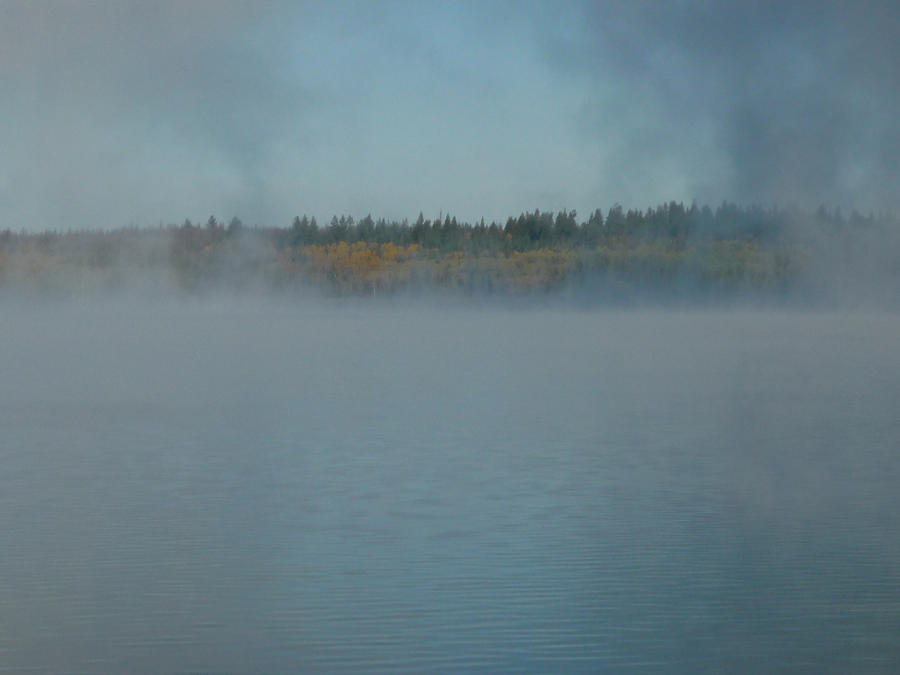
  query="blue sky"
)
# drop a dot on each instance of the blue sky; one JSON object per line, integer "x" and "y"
{"x": 118, "y": 113}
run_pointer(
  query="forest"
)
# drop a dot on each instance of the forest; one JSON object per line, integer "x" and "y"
{"x": 665, "y": 253}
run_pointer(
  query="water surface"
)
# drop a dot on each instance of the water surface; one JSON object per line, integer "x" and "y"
{"x": 256, "y": 487}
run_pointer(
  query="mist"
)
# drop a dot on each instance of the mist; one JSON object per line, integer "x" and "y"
{"x": 433, "y": 337}
{"x": 217, "y": 484}
{"x": 119, "y": 113}
{"x": 670, "y": 255}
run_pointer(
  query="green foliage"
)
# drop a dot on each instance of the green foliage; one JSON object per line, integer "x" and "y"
{"x": 666, "y": 250}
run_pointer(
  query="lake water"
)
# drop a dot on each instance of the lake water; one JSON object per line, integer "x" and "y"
{"x": 266, "y": 487}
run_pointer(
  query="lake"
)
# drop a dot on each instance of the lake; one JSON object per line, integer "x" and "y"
{"x": 259, "y": 486}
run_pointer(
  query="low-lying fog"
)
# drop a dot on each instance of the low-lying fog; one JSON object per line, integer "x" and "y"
{"x": 286, "y": 486}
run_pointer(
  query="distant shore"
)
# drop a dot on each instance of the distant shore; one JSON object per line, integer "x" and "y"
{"x": 666, "y": 253}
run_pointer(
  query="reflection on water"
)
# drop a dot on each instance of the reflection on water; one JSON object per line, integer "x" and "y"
{"x": 275, "y": 489}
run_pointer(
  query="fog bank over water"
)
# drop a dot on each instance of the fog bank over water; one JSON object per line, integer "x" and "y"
{"x": 670, "y": 255}
{"x": 394, "y": 336}
{"x": 235, "y": 485}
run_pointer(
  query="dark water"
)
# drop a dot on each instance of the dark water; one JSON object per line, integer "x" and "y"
{"x": 236, "y": 488}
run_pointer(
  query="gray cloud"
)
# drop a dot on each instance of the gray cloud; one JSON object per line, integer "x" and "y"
{"x": 137, "y": 111}
{"x": 770, "y": 102}
{"x": 120, "y": 112}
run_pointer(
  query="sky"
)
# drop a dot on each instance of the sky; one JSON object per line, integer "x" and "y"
{"x": 140, "y": 113}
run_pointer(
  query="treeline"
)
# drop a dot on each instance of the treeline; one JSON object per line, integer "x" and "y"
{"x": 668, "y": 251}
{"x": 544, "y": 229}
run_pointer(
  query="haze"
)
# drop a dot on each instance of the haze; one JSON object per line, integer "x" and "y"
{"x": 277, "y": 487}
{"x": 119, "y": 113}
{"x": 583, "y": 356}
